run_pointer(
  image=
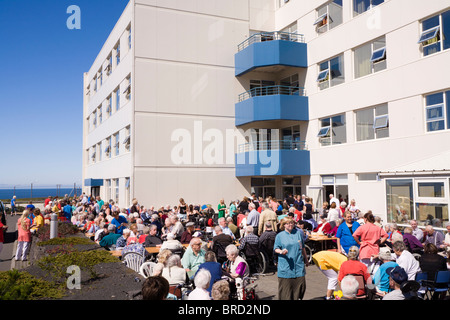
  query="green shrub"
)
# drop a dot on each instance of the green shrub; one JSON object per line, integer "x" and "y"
{"x": 66, "y": 241}
{"x": 56, "y": 265}
{"x": 15, "y": 285}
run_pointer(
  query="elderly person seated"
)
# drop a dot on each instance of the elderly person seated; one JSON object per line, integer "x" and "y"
{"x": 355, "y": 267}
{"x": 324, "y": 226}
{"x": 220, "y": 290}
{"x": 193, "y": 256}
{"x": 110, "y": 239}
{"x": 152, "y": 239}
{"x": 174, "y": 271}
{"x": 161, "y": 258}
{"x": 411, "y": 242}
{"x": 122, "y": 240}
{"x": 397, "y": 277}
{"x": 237, "y": 266}
{"x": 434, "y": 237}
{"x": 405, "y": 259}
{"x": 214, "y": 267}
{"x": 380, "y": 276}
{"x": 349, "y": 287}
{"x": 172, "y": 244}
{"x": 201, "y": 282}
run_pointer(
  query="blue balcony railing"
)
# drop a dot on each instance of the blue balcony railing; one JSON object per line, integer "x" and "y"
{"x": 270, "y": 36}
{"x": 272, "y": 90}
{"x": 272, "y": 145}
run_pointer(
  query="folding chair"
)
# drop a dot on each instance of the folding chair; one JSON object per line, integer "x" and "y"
{"x": 440, "y": 284}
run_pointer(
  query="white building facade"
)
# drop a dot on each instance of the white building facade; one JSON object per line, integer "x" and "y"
{"x": 350, "y": 97}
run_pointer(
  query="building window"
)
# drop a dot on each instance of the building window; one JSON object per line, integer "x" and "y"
{"x": 336, "y": 185}
{"x": 368, "y": 177}
{"x": 117, "y": 54}
{"x": 261, "y": 87}
{"x": 331, "y": 72}
{"x": 329, "y": 16}
{"x": 263, "y": 187}
{"x": 108, "y": 68}
{"x": 108, "y": 189}
{"x": 435, "y": 34}
{"x": 100, "y": 76}
{"x": 116, "y": 144}
{"x": 100, "y": 115}
{"x": 117, "y": 95}
{"x": 372, "y": 123}
{"x": 282, "y": 3}
{"x": 108, "y": 148}
{"x": 361, "y": 6}
{"x": 332, "y": 131}
{"x": 129, "y": 38}
{"x": 291, "y": 186}
{"x": 109, "y": 106}
{"x": 93, "y": 154}
{"x": 127, "y": 141}
{"x": 127, "y": 191}
{"x": 437, "y": 111}
{"x": 94, "y": 119}
{"x": 116, "y": 190}
{"x": 399, "y": 200}
{"x": 127, "y": 91}
{"x": 423, "y": 199}
{"x": 99, "y": 151}
{"x": 370, "y": 58}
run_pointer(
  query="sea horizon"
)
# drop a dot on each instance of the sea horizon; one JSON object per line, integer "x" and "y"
{"x": 41, "y": 192}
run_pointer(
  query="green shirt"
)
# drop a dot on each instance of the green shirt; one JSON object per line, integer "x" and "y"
{"x": 109, "y": 239}
{"x": 192, "y": 261}
{"x": 221, "y": 209}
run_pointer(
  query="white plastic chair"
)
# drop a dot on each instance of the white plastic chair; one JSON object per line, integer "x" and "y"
{"x": 133, "y": 260}
{"x": 146, "y": 269}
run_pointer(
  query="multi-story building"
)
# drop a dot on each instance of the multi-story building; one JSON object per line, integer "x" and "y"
{"x": 217, "y": 99}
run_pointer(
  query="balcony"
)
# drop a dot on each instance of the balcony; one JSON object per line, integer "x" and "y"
{"x": 272, "y": 103}
{"x": 272, "y": 158}
{"x": 271, "y": 49}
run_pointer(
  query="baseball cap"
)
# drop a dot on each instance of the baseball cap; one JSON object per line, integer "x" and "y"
{"x": 398, "y": 274}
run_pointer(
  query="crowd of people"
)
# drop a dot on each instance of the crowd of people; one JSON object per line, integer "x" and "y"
{"x": 202, "y": 245}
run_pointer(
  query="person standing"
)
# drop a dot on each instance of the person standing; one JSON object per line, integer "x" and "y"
{"x": 345, "y": 232}
{"x": 369, "y": 237}
{"x": 253, "y": 217}
{"x": 24, "y": 236}
{"x": 13, "y": 206}
{"x": 292, "y": 259}
{"x": 221, "y": 208}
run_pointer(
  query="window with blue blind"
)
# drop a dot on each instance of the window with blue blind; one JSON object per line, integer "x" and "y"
{"x": 437, "y": 111}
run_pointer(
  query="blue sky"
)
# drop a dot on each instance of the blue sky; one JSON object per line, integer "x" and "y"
{"x": 41, "y": 86}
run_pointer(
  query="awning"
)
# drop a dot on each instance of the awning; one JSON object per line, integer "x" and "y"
{"x": 438, "y": 164}
{"x": 93, "y": 182}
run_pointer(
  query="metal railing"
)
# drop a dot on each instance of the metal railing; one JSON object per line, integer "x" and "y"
{"x": 272, "y": 145}
{"x": 270, "y": 36}
{"x": 272, "y": 90}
